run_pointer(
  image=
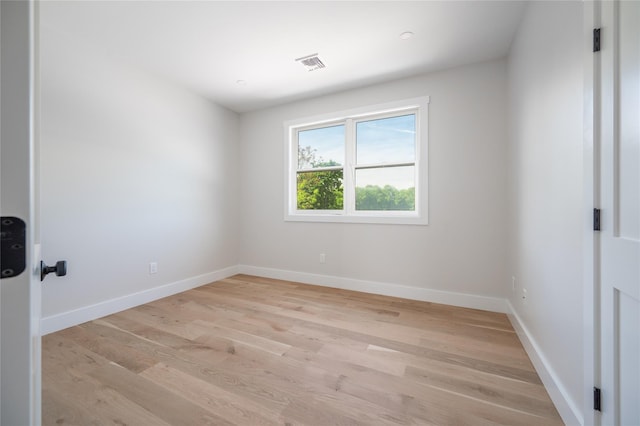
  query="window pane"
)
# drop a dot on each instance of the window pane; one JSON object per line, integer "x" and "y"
{"x": 323, "y": 147}
{"x": 389, "y": 188}
{"x": 386, "y": 140}
{"x": 320, "y": 190}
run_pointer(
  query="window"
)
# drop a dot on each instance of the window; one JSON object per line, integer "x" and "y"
{"x": 366, "y": 165}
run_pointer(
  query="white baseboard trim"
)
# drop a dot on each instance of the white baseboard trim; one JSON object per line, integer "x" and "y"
{"x": 64, "y": 320}
{"x": 569, "y": 411}
{"x": 494, "y": 304}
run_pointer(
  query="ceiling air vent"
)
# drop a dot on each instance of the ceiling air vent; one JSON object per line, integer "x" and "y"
{"x": 311, "y": 62}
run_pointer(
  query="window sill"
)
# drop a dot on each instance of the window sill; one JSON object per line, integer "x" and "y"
{"x": 371, "y": 219}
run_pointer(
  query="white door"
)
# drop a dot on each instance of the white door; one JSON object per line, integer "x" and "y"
{"x": 620, "y": 203}
{"x": 19, "y": 295}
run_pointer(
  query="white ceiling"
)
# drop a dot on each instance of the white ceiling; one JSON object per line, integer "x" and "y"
{"x": 207, "y": 46}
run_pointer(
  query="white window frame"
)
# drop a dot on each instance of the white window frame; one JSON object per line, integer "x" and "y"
{"x": 418, "y": 106}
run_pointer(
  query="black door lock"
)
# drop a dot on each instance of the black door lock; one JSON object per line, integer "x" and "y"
{"x": 13, "y": 246}
{"x": 60, "y": 269}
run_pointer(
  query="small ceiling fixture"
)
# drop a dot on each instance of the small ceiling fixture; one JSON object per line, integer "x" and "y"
{"x": 241, "y": 82}
{"x": 311, "y": 62}
{"x": 406, "y": 35}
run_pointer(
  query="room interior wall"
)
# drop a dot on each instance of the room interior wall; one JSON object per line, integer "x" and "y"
{"x": 134, "y": 170}
{"x": 463, "y": 248}
{"x": 545, "y": 160}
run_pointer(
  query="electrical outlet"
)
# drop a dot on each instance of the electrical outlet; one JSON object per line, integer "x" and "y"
{"x": 513, "y": 284}
{"x": 323, "y": 258}
{"x": 153, "y": 267}
{"x": 524, "y": 296}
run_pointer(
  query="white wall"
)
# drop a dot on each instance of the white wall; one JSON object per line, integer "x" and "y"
{"x": 545, "y": 191}
{"x": 133, "y": 170}
{"x": 462, "y": 250}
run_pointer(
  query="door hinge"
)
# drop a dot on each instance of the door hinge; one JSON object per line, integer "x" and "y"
{"x": 596, "y": 399}
{"x": 596, "y": 39}
{"x": 596, "y": 219}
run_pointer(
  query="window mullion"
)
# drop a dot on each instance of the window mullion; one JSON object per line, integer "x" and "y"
{"x": 383, "y": 165}
{"x": 349, "y": 167}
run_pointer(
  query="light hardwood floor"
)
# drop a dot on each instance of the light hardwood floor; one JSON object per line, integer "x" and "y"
{"x": 256, "y": 351}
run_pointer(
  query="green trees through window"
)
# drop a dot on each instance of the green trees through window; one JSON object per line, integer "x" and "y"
{"x": 320, "y": 190}
{"x": 324, "y": 190}
{"x": 372, "y": 197}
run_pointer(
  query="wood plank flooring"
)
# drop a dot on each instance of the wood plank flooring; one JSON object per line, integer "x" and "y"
{"x": 256, "y": 351}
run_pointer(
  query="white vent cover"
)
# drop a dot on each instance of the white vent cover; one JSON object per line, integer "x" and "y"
{"x": 311, "y": 62}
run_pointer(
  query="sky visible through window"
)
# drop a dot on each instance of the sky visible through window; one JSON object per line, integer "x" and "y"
{"x": 386, "y": 140}
{"x": 327, "y": 143}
